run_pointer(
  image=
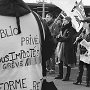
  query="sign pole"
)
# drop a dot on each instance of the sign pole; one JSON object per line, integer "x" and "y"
{"x": 43, "y": 12}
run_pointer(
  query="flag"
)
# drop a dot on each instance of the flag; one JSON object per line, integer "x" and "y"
{"x": 80, "y": 8}
{"x": 73, "y": 9}
{"x": 78, "y": 14}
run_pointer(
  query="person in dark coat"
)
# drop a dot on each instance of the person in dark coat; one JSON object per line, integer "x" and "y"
{"x": 51, "y": 62}
{"x": 68, "y": 55}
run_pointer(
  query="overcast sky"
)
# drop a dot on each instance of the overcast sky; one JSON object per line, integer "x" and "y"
{"x": 85, "y": 2}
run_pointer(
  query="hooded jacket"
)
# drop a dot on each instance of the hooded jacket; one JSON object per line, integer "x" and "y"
{"x": 14, "y": 8}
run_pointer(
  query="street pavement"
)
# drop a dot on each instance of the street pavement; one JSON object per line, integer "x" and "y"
{"x": 68, "y": 85}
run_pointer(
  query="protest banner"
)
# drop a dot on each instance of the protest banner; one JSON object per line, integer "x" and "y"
{"x": 78, "y": 14}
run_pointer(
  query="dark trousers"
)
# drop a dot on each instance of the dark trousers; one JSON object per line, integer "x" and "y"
{"x": 61, "y": 70}
{"x": 81, "y": 69}
{"x": 51, "y": 63}
{"x": 44, "y": 72}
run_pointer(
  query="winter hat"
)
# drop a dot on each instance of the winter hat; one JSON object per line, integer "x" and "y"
{"x": 14, "y": 8}
{"x": 68, "y": 18}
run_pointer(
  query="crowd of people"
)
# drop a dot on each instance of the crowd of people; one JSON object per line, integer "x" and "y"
{"x": 67, "y": 40}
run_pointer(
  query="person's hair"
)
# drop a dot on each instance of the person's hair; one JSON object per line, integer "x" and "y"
{"x": 50, "y": 15}
{"x": 68, "y": 18}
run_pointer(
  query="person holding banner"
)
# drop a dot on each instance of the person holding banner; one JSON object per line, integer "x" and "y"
{"x": 84, "y": 40}
{"x": 68, "y": 55}
{"x": 25, "y": 45}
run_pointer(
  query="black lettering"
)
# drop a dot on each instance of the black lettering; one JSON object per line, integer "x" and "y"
{"x": 22, "y": 40}
{"x": 36, "y": 40}
{"x": 9, "y": 65}
{"x": 23, "y": 54}
{"x": 1, "y": 60}
{"x": 27, "y": 40}
{"x": 21, "y": 63}
{"x": 38, "y": 85}
{"x": 31, "y": 50}
{"x": 3, "y": 34}
{"x": 11, "y": 30}
{"x": 34, "y": 53}
{"x": 8, "y": 32}
{"x": 12, "y": 65}
{"x": 23, "y": 83}
{"x": 18, "y": 55}
{"x": 34, "y": 85}
{"x": 6, "y": 58}
{"x": 38, "y": 53}
{"x": 18, "y": 83}
{"x": 28, "y": 54}
{"x": 30, "y": 40}
{"x": 15, "y": 31}
{"x": 4, "y": 66}
{"x": 12, "y": 54}
{"x": 17, "y": 64}
{"x": 1, "y": 86}
{"x": 6, "y": 86}
{"x": 11, "y": 85}
{"x": 28, "y": 62}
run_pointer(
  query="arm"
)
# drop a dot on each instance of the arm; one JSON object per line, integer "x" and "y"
{"x": 65, "y": 38}
{"x": 85, "y": 44}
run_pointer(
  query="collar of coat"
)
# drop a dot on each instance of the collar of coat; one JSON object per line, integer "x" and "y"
{"x": 14, "y": 8}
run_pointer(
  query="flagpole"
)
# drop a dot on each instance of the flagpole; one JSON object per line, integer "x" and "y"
{"x": 43, "y": 12}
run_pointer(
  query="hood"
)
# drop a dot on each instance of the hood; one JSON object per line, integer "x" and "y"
{"x": 14, "y": 8}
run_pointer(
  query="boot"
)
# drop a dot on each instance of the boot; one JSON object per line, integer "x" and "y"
{"x": 87, "y": 81}
{"x": 79, "y": 78}
{"x": 88, "y": 84}
{"x": 78, "y": 82}
{"x": 68, "y": 74}
{"x": 88, "y": 76}
{"x": 60, "y": 76}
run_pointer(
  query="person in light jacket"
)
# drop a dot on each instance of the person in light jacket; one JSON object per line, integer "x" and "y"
{"x": 84, "y": 53}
